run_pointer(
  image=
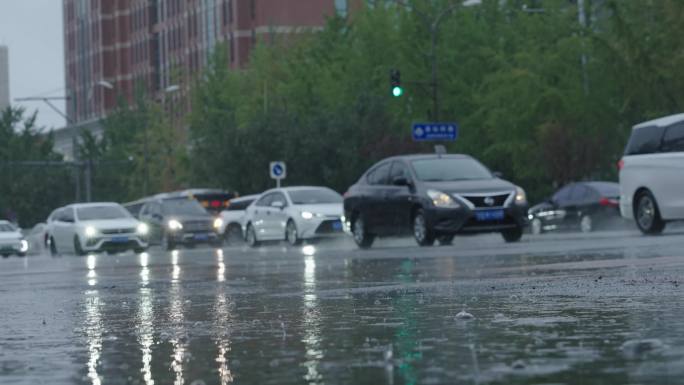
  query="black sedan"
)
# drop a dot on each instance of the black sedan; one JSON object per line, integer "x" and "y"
{"x": 434, "y": 197}
{"x": 583, "y": 206}
{"x": 180, "y": 221}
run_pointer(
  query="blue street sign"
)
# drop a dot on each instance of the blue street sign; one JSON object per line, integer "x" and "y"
{"x": 434, "y": 131}
{"x": 278, "y": 170}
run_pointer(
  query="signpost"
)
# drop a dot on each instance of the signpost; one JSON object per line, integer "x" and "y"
{"x": 278, "y": 171}
{"x": 423, "y": 132}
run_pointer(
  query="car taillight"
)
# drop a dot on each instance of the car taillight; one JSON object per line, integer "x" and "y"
{"x": 215, "y": 204}
{"x": 620, "y": 164}
{"x": 609, "y": 202}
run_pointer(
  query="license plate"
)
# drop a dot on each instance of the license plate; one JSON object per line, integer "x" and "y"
{"x": 201, "y": 237}
{"x": 337, "y": 225}
{"x": 489, "y": 215}
{"x": 120, "y": 239}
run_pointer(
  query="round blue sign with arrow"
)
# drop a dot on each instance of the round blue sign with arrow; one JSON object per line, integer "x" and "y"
{"x": 278, "y": 170}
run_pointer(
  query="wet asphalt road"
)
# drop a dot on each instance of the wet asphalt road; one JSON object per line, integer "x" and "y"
{"x": 605, "y": 308}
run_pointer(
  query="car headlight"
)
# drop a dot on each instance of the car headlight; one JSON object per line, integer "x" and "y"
{"x": 307, "y": 215}
{"x": 24, "y": 246}
{"x": 90, "y": 231}
{"x": 440, "y": 199}
{"x": 175, "y": 225}
{"x": 143, "y": 229}
{"x": 218, "y": 222}
{"x": 520, "y": 196}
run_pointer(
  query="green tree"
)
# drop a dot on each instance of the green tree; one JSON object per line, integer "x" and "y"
{"x": 29, "y": 192}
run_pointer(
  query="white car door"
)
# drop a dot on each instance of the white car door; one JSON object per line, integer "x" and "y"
{"x": 277, "y": 216}
{"x": 669, "y": 187}
{"x": 257, "y": 216}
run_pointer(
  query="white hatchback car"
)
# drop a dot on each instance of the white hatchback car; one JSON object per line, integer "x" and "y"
{"x": 652, "y": 174}
{"x": 294, "y": 214}
{"x": 95, "y": 227}
{"x": 12, "y": 240}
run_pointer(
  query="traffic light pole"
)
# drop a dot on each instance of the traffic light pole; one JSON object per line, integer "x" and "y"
{"x": 433, "y": 26}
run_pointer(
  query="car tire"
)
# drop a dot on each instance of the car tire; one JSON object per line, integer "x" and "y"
{"x": 422, "y": 234}
{"x": 140, "y": 250}
{"x": 362, "y": 238}
{"x": 53, "y": 247}
{"x": 586, "y": 224}
{"x": 536, "y": 226}
{"x": 512, "y": 235}
{"x": 167, "y": 243}
{"x": 233, "y": 233}
{"x": 446, "y": 240}
{"x": 21, "y": 255}
{"x": 250, "y": 236}
{"x": 647, "y": 214}
{"x": 78, "y": 249}
{"x": 292, "y": 234}
{"x": 5, "y": 255}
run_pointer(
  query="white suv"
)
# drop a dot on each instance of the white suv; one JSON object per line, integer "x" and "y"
{"x": 652, "y": 174}
{"x": 94, "y": 227}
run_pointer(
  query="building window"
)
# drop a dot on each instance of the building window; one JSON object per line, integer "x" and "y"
{"x": 341, "y": 8}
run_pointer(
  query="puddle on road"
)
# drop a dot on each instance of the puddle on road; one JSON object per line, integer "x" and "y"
{"x": 172, "y": 319}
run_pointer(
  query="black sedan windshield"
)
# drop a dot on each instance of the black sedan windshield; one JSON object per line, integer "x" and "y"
{"x": 183, "y": 207}
{"x": 314, "y": 196}
{"x": 449, "y": 169}
{"x": 101, "y": 212}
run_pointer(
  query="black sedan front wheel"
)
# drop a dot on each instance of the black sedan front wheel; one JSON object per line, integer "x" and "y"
{"x": 512, "y": 235}
{"x": 423, "y": 235}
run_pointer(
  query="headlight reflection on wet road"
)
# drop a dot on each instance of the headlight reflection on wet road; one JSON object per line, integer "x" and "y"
{"x": 175, "y": 274}
{"x": 92, "y": 275}
{"x": 220, "y": 274}
{"x": 93, "y": 331}
{"x": 145, "y": 272}
{"x": 311, "y": 314}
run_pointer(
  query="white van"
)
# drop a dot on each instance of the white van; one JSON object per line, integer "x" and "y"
{"x": 652, "y": 174}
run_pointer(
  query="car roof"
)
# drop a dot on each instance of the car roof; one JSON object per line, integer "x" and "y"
{"x": 427, "y": 156}
{"x": 661, "y": 122}
{"x": 245, "y": 198}
{"x": 92, "y": 204}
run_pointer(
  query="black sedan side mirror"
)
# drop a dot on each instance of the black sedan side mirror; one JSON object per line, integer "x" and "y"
{"x": 401, "y": 181}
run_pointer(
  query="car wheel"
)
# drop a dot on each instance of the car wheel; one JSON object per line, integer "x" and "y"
{"x": 53, "y": 247}
{"x": 362, "y": 238}
{"x": 445, "y": 240}
{"x": 536, "y": 226}
{"x": 5, "y": 255}
{"x": 421, "y": 232}
{"x": 78, "y": 249}
{"x": 140, "y": 250}
{"x": 512, "y": 235}
{"x": 21, "y": 255}
{"x": 586, "y": 224}
{"x": 233, "y": 233}
{"x": 250, "y": 236}
{"x": 291, "y": 233}
{"x": 167, "y": 243}
{"x": 647, "y": 214}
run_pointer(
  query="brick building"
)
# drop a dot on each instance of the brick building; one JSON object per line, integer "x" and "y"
{"x": 114, "y": 46}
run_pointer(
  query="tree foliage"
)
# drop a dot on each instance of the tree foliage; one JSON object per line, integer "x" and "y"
{"x": 29, "y": 191}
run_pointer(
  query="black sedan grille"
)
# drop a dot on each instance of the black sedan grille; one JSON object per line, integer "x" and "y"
{"x": 197, "y": 226}
{"x": 497, "y": 200}
{"x": 118, "y": 231}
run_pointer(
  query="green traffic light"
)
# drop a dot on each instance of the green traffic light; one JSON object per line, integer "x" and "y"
{"x": 397, "y": 91}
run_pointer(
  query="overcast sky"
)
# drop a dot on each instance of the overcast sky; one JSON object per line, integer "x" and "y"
{"x": 32, "y": 29}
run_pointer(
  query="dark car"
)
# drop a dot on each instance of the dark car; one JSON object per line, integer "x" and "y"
{"x": 213, "y": 200}
{"x": 180, "y": 221}
{"x": 583, "y": 206}
{"x": 434, "y": 197}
